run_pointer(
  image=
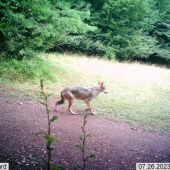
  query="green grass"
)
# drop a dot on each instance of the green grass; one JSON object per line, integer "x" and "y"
{"x": 138, "y": 94}
{"x": 27, "y": 70}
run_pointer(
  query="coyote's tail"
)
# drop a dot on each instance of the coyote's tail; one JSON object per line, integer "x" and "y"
{"x": 62, "y": 100}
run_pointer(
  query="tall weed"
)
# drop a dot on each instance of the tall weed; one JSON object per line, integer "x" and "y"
{"x": 48, "y": 137}
{"x": 82, "y": 147}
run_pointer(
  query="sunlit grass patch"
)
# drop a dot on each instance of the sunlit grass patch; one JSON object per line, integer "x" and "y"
{"x": 138, "y": 94}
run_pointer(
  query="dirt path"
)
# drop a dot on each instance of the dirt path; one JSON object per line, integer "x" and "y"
{"x": 116, "y": 145}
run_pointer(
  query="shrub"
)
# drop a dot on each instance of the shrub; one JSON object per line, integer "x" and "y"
{"x": 27, "y": 70}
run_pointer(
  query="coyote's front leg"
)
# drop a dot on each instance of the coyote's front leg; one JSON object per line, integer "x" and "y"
{"x": 90, "y": 107}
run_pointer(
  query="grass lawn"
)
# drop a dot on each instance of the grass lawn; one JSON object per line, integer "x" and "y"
{"x": 138, "y": 94}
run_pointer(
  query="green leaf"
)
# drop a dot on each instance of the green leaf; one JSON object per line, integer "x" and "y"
{"x": 51, "y": 139}
{"x": 83, "y": 149}
{"x": 85, "y": 121}
{"x": 42, "y": 93}
{"x": 48, "y": 143}
{"x": 82, "y": 138}
{"x": 41, "y": 133}
{"x": 49, "y": 161}
{"x": 89, "y": 135}
{"x": 43, "y": 159}
{"x": 39, "y": 157}
{"x": 91, "y": 156}
{"x": 54, "y": 118}
{"x": 50, "y": 148}
{"x": 48, "y": 111}
{"x": 83, "y": 128}
{"x": 43, "y": 103}
{"x": 36, "y": 156}
{"x": 55, "y": 168}
{"x": 78, "y": 166}
{"x": 50, "y": 95}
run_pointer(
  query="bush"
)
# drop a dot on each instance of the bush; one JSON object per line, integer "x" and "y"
{"x": 27, "y": 70}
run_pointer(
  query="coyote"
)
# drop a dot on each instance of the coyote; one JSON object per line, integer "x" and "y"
{"x": 81, "y": 93}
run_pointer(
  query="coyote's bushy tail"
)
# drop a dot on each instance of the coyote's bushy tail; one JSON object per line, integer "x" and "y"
{"x": 62, "y": 100}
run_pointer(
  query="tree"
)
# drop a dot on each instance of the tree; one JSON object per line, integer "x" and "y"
{"x": 124, "y": 25}
{"x": 29, "y": 26}
{"x": 123, "y": 29}
{"x": 161, "y": 32}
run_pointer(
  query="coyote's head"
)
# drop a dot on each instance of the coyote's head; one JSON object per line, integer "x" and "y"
{"x": 103, "y": 87}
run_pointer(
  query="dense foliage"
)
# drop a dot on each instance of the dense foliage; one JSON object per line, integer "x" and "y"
{"x": 108, "y": 28}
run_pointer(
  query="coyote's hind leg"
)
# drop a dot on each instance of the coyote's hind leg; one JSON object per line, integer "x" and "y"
{"x": 69, "y": 107}
{"x": 56, "y": 104}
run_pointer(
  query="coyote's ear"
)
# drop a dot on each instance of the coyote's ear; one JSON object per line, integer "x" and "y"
{"x": 102, "y": 83}
{"x": 99, "y": 83}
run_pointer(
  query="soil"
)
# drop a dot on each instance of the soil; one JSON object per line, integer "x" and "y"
{"x": 117, "y": 145}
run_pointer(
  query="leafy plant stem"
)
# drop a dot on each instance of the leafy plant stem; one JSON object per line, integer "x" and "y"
{"x": 48, "y": 137}
{"x": 84, "y": 135}
{"x": 83, "y": 146}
